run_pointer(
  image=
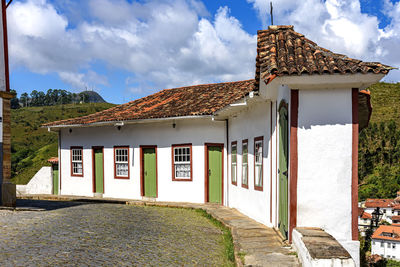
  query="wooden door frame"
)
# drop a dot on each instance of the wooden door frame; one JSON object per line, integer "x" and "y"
{"x": 142, "y": 169}
{"x": 52, "y": 174}
{"x": 284, "y": 104}
{"x": 94, "y": 169}
{"x": 206, "y": 178}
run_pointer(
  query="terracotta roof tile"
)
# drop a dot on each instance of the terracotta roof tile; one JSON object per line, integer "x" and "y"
{"x": 387, "y": 232}
{"x": 195, "y": 100}
{"x": 366, "y": 215}
{"x": 363, "y": 215}
{"x": 282, "y": 51}
{"x": 53, "y": 160}
{"x": 381, "y": 203}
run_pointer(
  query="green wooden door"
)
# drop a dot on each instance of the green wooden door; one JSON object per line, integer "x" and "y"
{"x": 215, "y": 174}
{"x": 283, "y": 171}
{"x": 149, "y": 172}
{"x": 99, "y": 170}
{"x": 55, "y": 179}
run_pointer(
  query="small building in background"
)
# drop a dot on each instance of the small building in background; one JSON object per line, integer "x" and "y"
{"x": 390, "y": 208}
{"x": 364, "y": 221}
{"x": 385, "y": 206}
{"x": 386, "y": 242}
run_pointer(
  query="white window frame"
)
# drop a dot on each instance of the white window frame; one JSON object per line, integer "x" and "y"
{"x": 234, "y": 163}
{"x": 176, "y": 162}
{"x": 258, "y": 164}
{"x": 75, "y": 161}
{"x": 245, "y": 164}
{"x": 121, "y": 160}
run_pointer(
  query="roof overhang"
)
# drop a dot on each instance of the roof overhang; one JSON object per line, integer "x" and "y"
{"x": 325, "y": 81}
{"x": 237, "y": 107}
{"x": 122, "y": 123}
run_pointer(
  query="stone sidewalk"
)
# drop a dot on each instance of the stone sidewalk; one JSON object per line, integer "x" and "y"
{"x": 255, "y": 244}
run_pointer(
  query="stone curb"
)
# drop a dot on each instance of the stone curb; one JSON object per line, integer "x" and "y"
{"x": 254, "y": 243}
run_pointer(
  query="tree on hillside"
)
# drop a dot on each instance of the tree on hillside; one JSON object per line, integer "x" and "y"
{"x": 14, "y": 100}
{"x": 24, "y": 99}
{"x": 379, "y": 161}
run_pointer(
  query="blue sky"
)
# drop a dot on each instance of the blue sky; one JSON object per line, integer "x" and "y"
{"x": 128, "y": 49}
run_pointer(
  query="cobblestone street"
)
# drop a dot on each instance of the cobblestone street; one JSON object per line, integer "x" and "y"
{"x": 98, "y": 234}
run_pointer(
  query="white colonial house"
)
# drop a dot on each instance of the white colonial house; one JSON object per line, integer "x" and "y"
{"x": 388, "y": 208}
{"x": 274, "y": 147}
{"x": 364, "y": 221}
{"x": 386, "y": 242}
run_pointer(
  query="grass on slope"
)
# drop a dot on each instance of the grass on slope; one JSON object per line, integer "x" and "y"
{"x": 379, "y": 147}
{"x": 32, "y": 146}
{"x": 385, "y": 99}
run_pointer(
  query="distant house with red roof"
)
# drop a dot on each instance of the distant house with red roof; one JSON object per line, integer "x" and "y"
{"x": 364, "y": 221}
{"x": 388, "y": 207}
{"x": 386, "y": 241}
{"x": 274, "y": 147}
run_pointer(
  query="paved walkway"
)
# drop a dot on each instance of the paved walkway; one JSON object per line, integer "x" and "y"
{"x": 255, "y": 244}
{"x": 73, "y": 233}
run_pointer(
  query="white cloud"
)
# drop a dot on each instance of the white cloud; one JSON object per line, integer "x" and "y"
{"x": 162, "y": 43}
{"x": 167, "y": 43}
{"x": 339, "y": 25}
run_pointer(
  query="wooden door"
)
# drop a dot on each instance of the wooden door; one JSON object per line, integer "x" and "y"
{"x": 55, "y": 179}
{"x": 98, "y": 170}
{"x": 283, "y": 171}
{"x": 215, "y": 174}
{"x": 149, "y": 167}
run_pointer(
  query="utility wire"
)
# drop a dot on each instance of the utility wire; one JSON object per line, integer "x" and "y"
{"x": 9, "y": 3}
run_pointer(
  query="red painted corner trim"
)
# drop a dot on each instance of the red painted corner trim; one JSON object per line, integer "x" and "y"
{"x": 5, "y": 42}
{"x": 294, "y": 112}
{"x": 354, "y": 165}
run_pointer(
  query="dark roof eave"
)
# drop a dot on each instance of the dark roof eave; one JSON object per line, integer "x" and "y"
{"x": 122, "y": 122}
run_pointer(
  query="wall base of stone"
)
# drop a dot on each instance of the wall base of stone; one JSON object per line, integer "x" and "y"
{"x": 8, "y": 196}
{"x": 315, "y": 248}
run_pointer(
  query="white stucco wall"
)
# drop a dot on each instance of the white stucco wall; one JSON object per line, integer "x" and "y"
{"x": 252, "y": 123}
{"x": 385, "y": 248}
{"x": 163, "y": 135}
{"x": 41, "y": 183}
{"x": 325, "y": 163}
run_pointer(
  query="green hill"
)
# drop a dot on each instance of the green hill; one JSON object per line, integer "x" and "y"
{"x": 32, "y": 146}
{"x": 385, "y": 99}
{"x": 379, "y": 148}
{"x": 94, "y": 97}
